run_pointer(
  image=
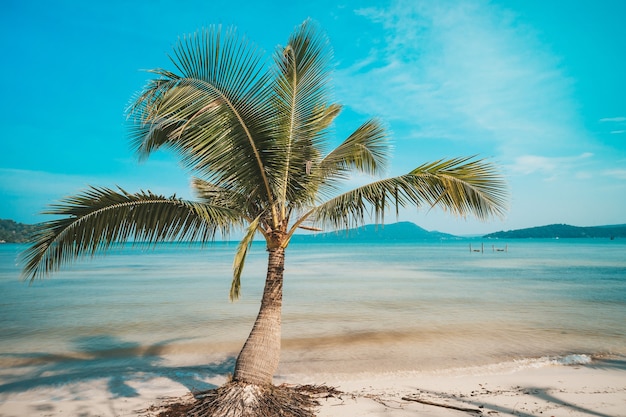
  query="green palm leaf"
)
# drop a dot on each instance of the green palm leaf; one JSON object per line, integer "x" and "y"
{"x": 366, "y": 150}
{"x": 300, "y": 100}
{"x": 461, "y": 185}
{"x": 99, "y": 217}
{"x": 240, "y": 259}
{"x": 216, "y": 111}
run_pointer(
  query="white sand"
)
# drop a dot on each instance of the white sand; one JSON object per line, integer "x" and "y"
{"x": 547, "y": 391}
{"x": 595, "y": 389}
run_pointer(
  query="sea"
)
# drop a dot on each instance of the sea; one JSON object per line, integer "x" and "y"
{"x": 348, "y": 308}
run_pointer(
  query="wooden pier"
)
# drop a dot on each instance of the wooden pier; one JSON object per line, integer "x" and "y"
{"x": 493, "y": 248}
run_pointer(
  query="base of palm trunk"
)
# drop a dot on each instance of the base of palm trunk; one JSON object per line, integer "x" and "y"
{"x": 238, "y": 399}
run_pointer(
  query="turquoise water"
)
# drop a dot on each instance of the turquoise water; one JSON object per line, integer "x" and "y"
{"x": 347, "y": 308}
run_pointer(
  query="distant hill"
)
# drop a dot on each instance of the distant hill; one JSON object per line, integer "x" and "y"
{"x": 562, "y": 231}
{"x": 401, "y": 231}
{"x": 13, "y": 232}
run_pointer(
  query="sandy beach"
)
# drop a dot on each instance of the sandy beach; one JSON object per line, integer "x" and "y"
{"x": 537, "y": 388}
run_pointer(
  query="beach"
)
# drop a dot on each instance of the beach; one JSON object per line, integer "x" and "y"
{"x": 548, "y": 390}
{"x": 539, "y": 330}
{"x": 542, "y": 387}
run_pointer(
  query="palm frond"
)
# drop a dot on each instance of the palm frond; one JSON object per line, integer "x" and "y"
{"x": 240, "y": 259}
{"x": 216, "y": 114}
{"x": 248, "y": 207}
{"x": 326, "y": 115}
{"x": 300, "y": 97}
{"x": 470, "y": 186}
{"x": 366, "y": 150}
{"x": 99, "y": 217}
{"x": 461, "y": 185}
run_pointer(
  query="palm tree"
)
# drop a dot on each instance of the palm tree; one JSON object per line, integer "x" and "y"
{"x": 257, "y": 141}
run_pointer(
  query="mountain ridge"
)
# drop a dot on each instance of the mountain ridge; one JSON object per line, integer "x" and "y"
{"x": 554, "y": 231}
{"x": 405, "y": 231}
{"x": 400, "y": 231}
{"x": 408, "y": 231}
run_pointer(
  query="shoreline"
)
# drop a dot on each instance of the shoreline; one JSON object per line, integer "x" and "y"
{"x": 572, "y": 385}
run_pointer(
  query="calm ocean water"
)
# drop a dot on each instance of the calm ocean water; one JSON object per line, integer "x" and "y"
{"x": 347, "y": 308}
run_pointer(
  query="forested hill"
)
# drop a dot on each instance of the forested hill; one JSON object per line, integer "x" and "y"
{"x": 554, "y": 231}
{"x": 402, "y": 231}
{"x": 13, "y": 232}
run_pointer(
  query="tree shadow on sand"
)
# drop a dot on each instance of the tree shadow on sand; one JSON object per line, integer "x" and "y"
{"x": 483, "y": 406}
{"x": 106, "y": 357}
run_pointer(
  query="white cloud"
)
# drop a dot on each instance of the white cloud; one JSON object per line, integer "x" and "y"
{"x": 584, "y": 175}
{"x": 551, "y": 166}
{"x": 617, "y": 132}
{"x": 529, "y": 164}
{"x": 613, "y": 119}
{"x": 465, "y": 72}
{"x": 620, "y": 174}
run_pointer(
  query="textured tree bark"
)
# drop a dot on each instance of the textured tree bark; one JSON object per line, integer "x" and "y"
{"x": 258, "y": 360}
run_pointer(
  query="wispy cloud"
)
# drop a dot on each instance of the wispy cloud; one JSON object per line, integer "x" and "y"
{"x": 617, "y": 123}
{"x": 613, "y": 119}
{"x": 551, "y": 167}
{"x": 620, "y": 174}
{"x": 466, "y": 71}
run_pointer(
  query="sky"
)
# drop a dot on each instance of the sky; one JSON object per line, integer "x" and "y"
{"x": 536, "y": 87}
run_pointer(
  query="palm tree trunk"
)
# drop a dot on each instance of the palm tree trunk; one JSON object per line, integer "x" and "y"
{"x": 258, "y": 360}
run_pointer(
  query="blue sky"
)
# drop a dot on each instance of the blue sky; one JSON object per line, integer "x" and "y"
{"x": 538, "y": 87}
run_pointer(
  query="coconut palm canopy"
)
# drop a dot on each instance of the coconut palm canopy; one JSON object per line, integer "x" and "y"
{"x": 257, "y": 138}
